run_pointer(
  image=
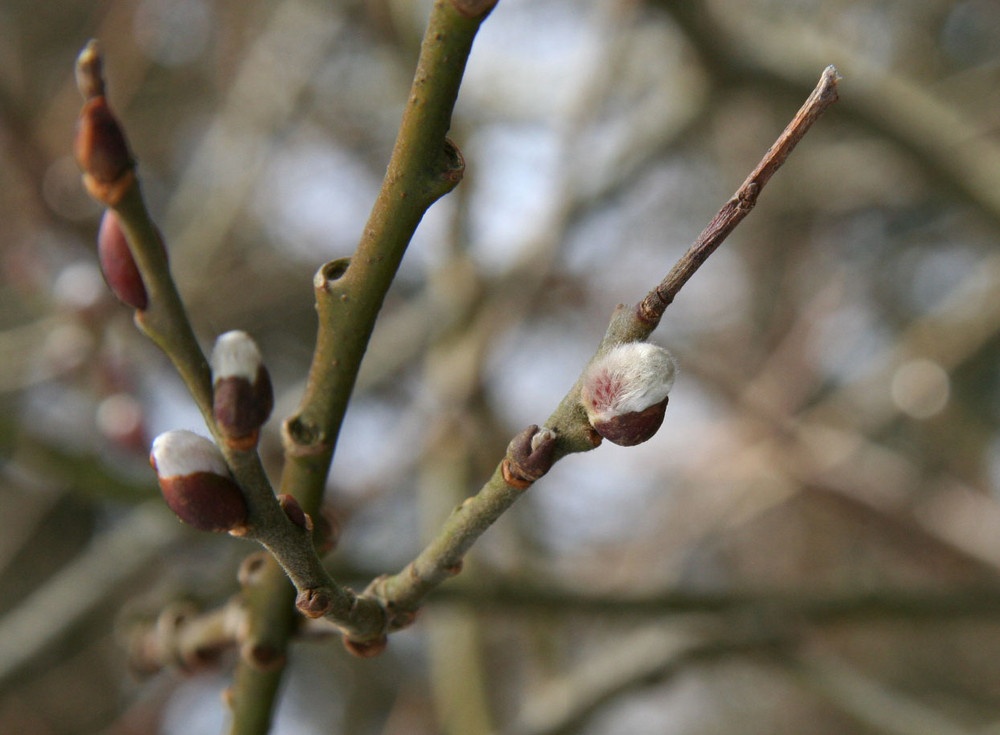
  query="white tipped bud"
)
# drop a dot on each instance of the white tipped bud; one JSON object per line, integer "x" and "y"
{"x": 195, "y": 482}
{"x": 625, "y": 391}
{"x": 178, "y": 453}
{"x": 243, "y": 396}
{"x": 235, "y": 355}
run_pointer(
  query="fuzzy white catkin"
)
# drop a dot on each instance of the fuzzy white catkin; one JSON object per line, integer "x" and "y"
{"x": 235, "y": 355}
{"x": 179, "y": 453}
{"x": 627, "y": 378}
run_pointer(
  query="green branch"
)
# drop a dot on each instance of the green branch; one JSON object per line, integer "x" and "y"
{"x": 424, "y": 166}
{"x": 403, "y": 593}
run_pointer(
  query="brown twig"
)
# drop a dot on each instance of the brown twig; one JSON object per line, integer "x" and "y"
{"x": 651, "y": 308}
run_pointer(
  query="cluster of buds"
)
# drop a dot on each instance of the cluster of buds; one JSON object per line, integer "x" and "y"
{"x": 242, "y": 396}
{"x": 196, "y": 483}
{"x": 103, "y": 155}
{"x": 624, "y": 391}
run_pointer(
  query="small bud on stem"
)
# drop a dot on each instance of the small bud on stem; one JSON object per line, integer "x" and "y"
{"x": 366, "y": 649}
{"x": 195, "y": 482}
{"x": 530, "y": 455}
{"x": 313, "y": 603}
{"x": 625, "y": 391}
{"x": 242, "y": 392}
{"x": 295, "y": 513}
{"x": 118, "y": 265}
{"x": 100, "y": 146}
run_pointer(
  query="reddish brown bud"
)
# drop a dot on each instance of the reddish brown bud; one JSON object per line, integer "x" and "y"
{"x": 242, "y": 392}
{"x": 530, "y": 455}
{"x": 314, "y": 603}
{"x": 196, "y": 483}
{"x": 102, "y": 152}
{"x": 262, "y": 656}
{"x": 624, "y": 391}
{"x": 295, "y": 513}
{"x": 117, "y": 264}
{"x": 366, "y": 649}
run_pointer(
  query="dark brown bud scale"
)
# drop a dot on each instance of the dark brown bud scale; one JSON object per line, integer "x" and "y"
{"x": 262, "y": 656}
{"x": 294, "y": 512}
{"x": 100, "y": 146}
{"x": 366, "y": 649}
{"x": 117, "y": 264}
{"x": 242, "y": 397}
{"x": 530, "y": 455}
{"x": 629, "y": 429}
{"x": 242, "y": 407}
{"x": 313, "y": 603}
{"x": 205, "y": 500}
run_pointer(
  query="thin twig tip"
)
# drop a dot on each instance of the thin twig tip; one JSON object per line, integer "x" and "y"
{"x": 89, "y": 75}
{"x": 828, "y": 80}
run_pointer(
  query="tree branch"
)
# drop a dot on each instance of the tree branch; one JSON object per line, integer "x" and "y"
{"x": 732, "y": 213}
{"x": 424, "y": 166}
{"x": 402, "y": 593}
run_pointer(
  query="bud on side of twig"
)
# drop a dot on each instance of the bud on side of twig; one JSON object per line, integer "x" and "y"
{"x": 263, "y": 655}
{"x": 530, "y": 455}
{"x": 241, "y": 386}
{"x": 313, "y": 603}
{"x": 196, "y": 483}
{"x": 625, "y": 391}
{"x": 366, "y": 649}
{"x": 100, "y": 146}
{"x": 118, "y": 265}
{"x": 295, "y": 513}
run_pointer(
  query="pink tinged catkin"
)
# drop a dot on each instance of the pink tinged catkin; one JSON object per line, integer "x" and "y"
{"x": 625, "y": 391}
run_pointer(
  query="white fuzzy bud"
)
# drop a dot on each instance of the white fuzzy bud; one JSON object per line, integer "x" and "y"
{"x": 179, "y": 453}
{"x": 235, "y": 355}
{"x": 625, "y": 391}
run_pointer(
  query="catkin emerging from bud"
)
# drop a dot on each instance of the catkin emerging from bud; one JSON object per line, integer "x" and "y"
{"x": 196, "y": 483}
{"x": 624, "y": 391}
{"x": 242, "y": 392}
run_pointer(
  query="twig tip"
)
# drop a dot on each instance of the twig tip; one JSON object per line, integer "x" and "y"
{"x": 89, "y": 75}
